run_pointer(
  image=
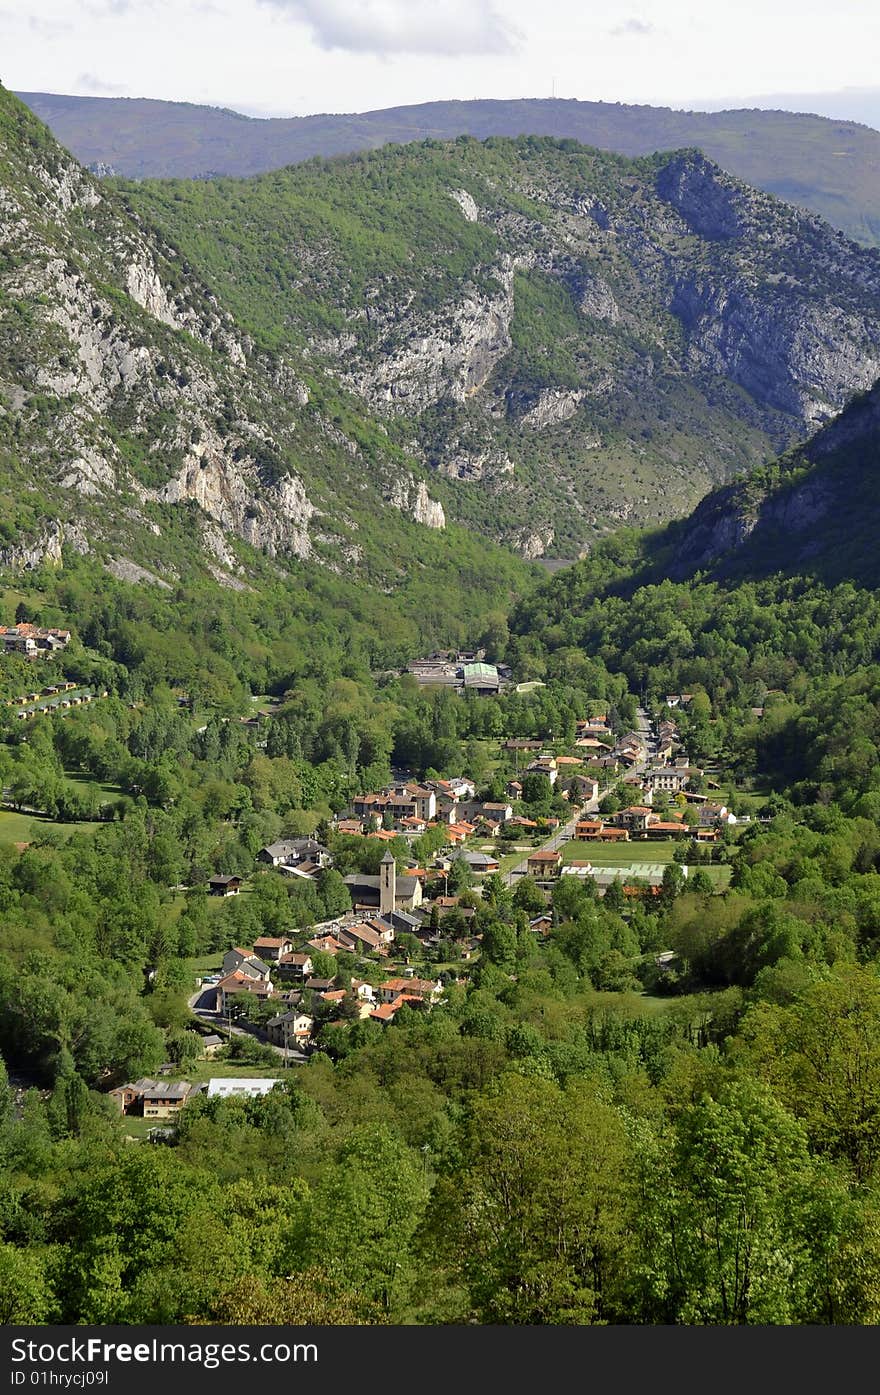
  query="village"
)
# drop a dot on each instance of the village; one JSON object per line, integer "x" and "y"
{"x": 408, "y": 935}
{"x": 611, "y": 805}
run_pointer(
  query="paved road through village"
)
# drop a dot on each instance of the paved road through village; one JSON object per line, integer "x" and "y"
{"x": 564, "y": 834}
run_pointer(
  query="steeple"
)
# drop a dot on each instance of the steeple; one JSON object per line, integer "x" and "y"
{"x": 387, "y": 883}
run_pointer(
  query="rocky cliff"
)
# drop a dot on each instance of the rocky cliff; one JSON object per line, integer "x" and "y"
{"x": 126, "y": 388}
{"x": 622, "y": 335}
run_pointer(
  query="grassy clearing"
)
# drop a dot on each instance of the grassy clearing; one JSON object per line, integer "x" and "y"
{"x": 22, "y": 828}
{"x": 618, "y": 854}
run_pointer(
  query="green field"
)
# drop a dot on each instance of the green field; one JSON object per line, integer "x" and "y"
{"x": 19, "y": 828}
{"x": 618, "y": 854}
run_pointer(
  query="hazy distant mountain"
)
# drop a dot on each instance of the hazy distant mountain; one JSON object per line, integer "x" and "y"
{"x": 830, "y": 167}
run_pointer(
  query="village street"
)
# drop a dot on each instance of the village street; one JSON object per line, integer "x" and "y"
{"x": 565, "y": 833}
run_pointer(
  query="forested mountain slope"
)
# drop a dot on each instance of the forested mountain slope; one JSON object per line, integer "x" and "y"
{"x": 141, "y": 425}
{"x": 815, "y": 511}
{"x": 830, "y": 167}
{"x": 575, "y": 339}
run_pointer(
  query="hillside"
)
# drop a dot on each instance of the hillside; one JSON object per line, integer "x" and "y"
{"x": 574, "y": 340}
{"x": 829, "y": 167}
{"x": 141, "y": 427}
{"x": 815, "y": 511}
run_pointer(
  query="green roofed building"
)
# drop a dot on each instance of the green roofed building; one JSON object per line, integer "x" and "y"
{"x": 484, "y": 678}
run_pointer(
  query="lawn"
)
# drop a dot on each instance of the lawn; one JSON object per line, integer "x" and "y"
{"x": 20, "y": 828}
{"x": 109, "y": 793}
{"x": 205, "y": 963}
{"x": 624, "y": 854}
{"x": 618, "y": 854}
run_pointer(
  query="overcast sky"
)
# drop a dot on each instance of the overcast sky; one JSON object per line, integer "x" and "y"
{"x": 292, "y": 57}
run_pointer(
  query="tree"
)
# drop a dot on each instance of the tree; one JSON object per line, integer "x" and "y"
{"x": 727, "y": 1213}
{"x": 700, "y": 883}
{"x": 821, "y": 1055}
{"x": 673, "y": 884}
{"x": 529, "y": 897}
{"x": 614, "y": 899}
{"x": 537, "y": 789}
{"x": 26, "y": 1295}
{"x": 540, "y": 1219}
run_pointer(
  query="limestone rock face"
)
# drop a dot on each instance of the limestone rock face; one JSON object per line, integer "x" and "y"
{"x": 46, "y": 549}
{"x": 125, "y": 570}
{"x": 274, "y": 517}
{"x": 467, "y": 204}
{"x": 412, "y": 498}
{"x": 450, "y": 354}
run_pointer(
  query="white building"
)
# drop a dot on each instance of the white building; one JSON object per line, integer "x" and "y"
{"x": 251, "y": 1086}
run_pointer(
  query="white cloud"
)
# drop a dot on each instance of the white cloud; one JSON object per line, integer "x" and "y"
{"x": 98, "y": 88}
{"x": 632, "y": 26}
{"x": 448, "y": 28}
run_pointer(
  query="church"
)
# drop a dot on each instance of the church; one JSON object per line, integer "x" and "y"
{"x": 385, "y": 893}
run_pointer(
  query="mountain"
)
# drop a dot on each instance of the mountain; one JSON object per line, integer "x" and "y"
{"x": 813, "y": 512}
{"x": 342, "y": 362}
{"x": 566, "y": 340}
{"x": 828, "y": 166}
{"x": 142, "y": 428}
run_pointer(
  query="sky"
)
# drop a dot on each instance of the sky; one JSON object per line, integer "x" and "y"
{"x": 294, "y": 57}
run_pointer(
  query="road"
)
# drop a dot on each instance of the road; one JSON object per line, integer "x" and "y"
{"x": 565, "y": 833}
{"x": 217, "y": 1019}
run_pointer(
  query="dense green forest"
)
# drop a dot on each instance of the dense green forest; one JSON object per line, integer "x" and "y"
{"x": 570, "y": 1136}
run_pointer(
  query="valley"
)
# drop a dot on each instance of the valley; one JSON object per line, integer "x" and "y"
{"x": 397, "y": 929}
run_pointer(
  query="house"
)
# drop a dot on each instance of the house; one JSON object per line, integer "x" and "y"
{"x": 635, "y": 818}
{"x": 712, "y": 814}
{"x": 361, "y": 939}
{"x": 235, "y": 960}
{"x": 320, "y": 985}
{"x": 293, "y": 852}
{"x": 128, "y": 1097}
{"x": 672, "y": 778}
{"x": 584, "y": 787}
{"x": 422, "y": 988}
{"x": 498, "y": 813}
{"x": 545, "y": 765}
{"x": 385, "y": 1012}
{"x": 290, "y": 1028}
{"x": 271, "y": 948}
{"x": 225, "y": 886}
{"x": 165, "y": 1101}
{"x": 326, "y": 943}
{"x": 479, "y": 862}
{"x": 521, "y": 744}
{"x": 393, "y": 922}
{"x": 544, "y": 863}
{"x": 614, "y": 835}
{"x": 665, "y": 828}
{"x": 587, "y": 830}
{"x": 542, "y": 924}
{"x": 513, "y": 789}
{"x": 351, "y": 827}
{"x": 211, "y": 1044}
{"x": 237, "y": 985}
{"x": 248, "y": 1086}
{"x": 298, "y": 965}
